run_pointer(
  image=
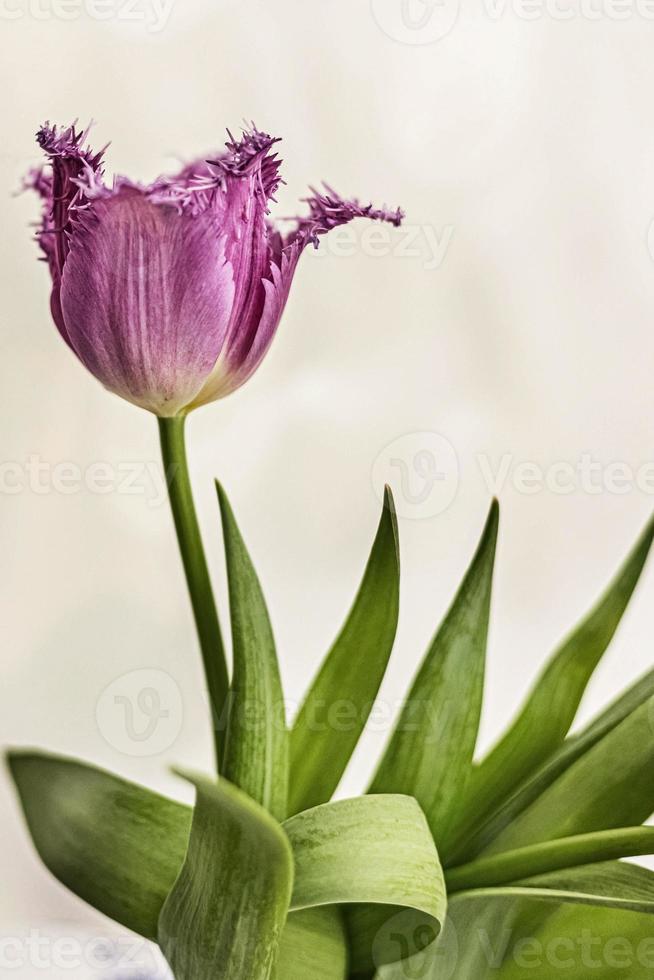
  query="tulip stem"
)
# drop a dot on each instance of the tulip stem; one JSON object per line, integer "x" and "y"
{"x": 173, "y": 450}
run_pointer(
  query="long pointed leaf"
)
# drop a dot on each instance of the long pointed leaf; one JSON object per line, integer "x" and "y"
{"x": 351, "y": 675}
{"x": 545, "y": 719}
{"x": 256, "y": 746}
{"x": 574, "y": 748}
{"x": 610, "y": 786}
{"x": 224, "y": 916}
{"x": 430, "y": 752}
{"x": 555, "y": 855}
{"x": 613, "y": 885}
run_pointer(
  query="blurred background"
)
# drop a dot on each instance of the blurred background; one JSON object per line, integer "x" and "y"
{"x": 501, "y": 343}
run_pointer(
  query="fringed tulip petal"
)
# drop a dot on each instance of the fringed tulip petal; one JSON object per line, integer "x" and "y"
{"x": 146, "y": 298}
{"x": 171, "y": 293}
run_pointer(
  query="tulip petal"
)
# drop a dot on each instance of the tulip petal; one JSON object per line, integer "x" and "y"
{"x": 243, "y": 182}
{"x": 328, "y": 210}
{"x": 70, "y": 160}
{"x": 146, "y": 297}
{"x": 236, "y": 363}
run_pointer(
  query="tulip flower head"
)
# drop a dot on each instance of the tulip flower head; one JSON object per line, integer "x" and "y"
{"x": 170, "y": 294}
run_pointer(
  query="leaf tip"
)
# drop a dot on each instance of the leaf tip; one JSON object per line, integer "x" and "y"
{"x": 16, "y": 759}
{"x": 492, "y": 525}
{"x": 390, "y": 513}
{"x": 389, "y": 501}
{"x": 220, "y": 491}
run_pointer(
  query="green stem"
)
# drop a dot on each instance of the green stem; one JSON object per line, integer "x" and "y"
{"x": 173, "y": 451}
{"x": 556, "y": 855}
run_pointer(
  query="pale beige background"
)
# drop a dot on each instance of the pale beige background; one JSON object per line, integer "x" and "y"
{"x": 530, "y": 145}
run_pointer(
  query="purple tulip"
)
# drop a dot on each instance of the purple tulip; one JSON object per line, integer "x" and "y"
{"x": 171, "y": 293}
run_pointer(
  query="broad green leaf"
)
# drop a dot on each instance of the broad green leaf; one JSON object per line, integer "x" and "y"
{"x": 576, "y": 943}
{"x": 486, "y": 940}
{"x": 548, "y": 713}
{"x": 370, "y": 849}
{"x": 256, "y": 744}
{"x": 613, "y": 885}
{"x": 223, "y": 919}
{"x": 495, "y": 940}
{"x": 574, "y": 748}
{"x": 550, "y": 856}
{"x": 120, "y": 847}
{"x": 471, "y": 946}
{"x": 494, "y": 927}
{"x": 314, "y": 946}
{"x": 610, "y": 786}
{"x": 431, "y": 750}
{"x": 117, "y": 846}
{"x": 516, "y": 933}
{"x": 336, "y": 708}
{"x": 366, "y": 852}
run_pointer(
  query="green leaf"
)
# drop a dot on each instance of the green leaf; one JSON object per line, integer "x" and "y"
{"x": 350, "y": 676}
{"x": 546, "y": 717}
{"x": 374, "y": 850}
{"x": 574, "y": 748}
{"x": 576, "y": 943}
{"x": 370, "y": 849}
{"x": 431, "y": 750}
{"x": 608, "y": 787}
{"x": 613, "y": 885}
{"x": 224, "y": 917}
{"x": 550, "y": 856}
{"x": 117, "y": 846}
{"x": 469, "y": 948}
{"x": 510, "y": 934}
{"x": 256, "y": 745}
{"x": 314, "y": 946}
{"x": 120, "y": 847}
